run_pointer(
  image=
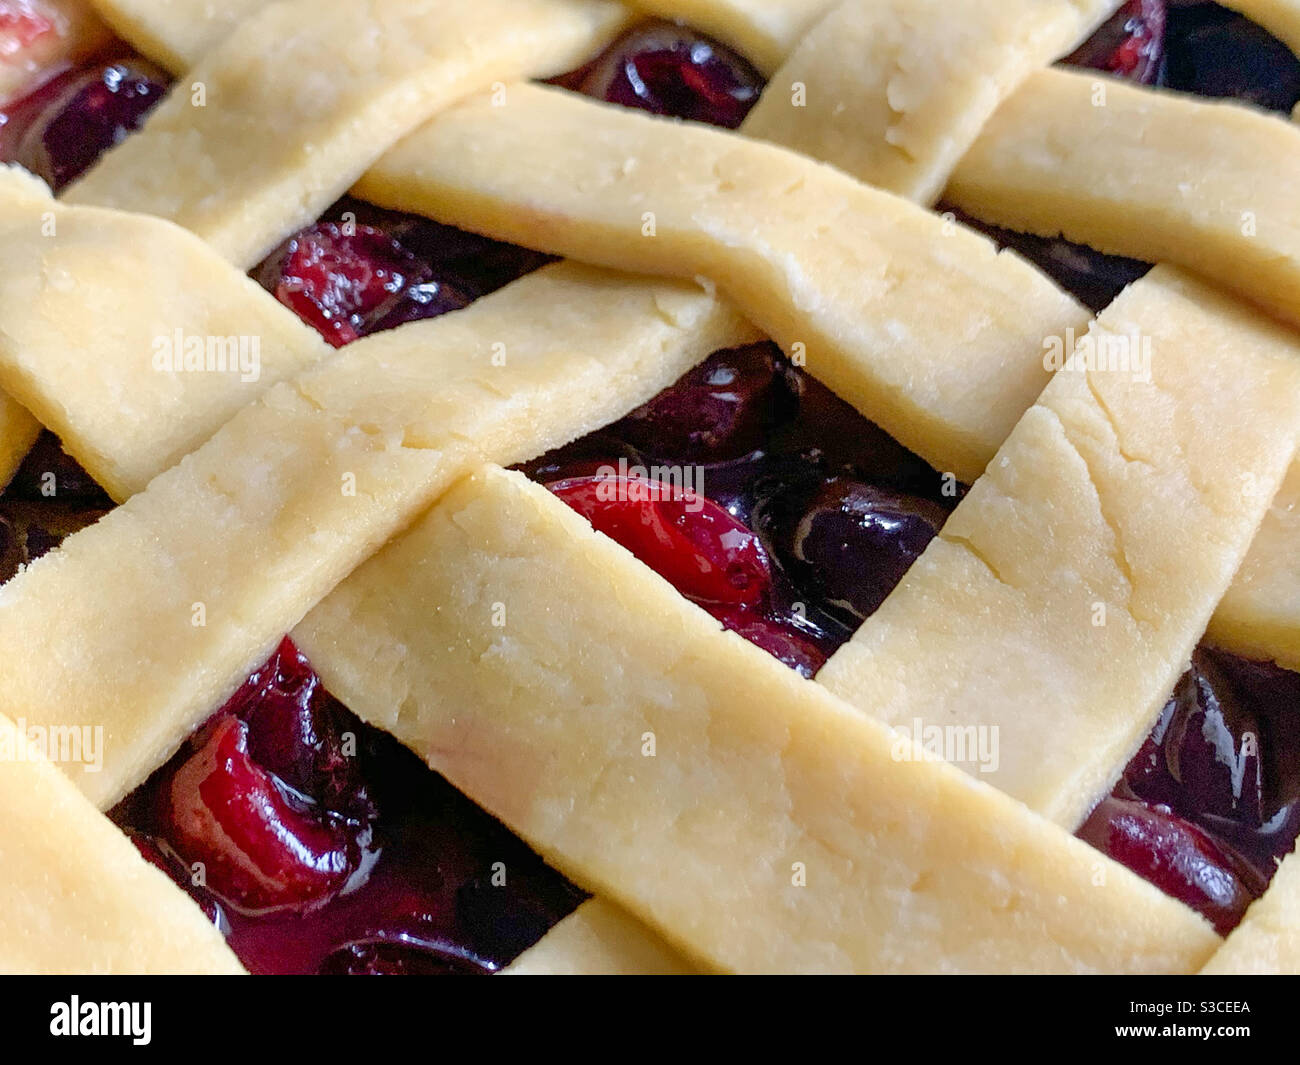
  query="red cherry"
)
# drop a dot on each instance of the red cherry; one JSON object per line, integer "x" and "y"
{"x": 1174, "y": 855}
{"x": 779, "y": 639}
{"x": 667, "y": 69}
{"x": 720, "y": 410}
{"x": 689, "y": 540}
{"x": 263, "y": 849}
{"x": 295, "y": 731}
{"x": 350, "y": 280}
{"x": 1131, "y": 44}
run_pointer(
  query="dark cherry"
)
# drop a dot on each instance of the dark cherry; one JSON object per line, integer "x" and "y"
{"x": 1219, "y": 53}
{"x": 853, "y": 542}
{"x": 296, "y": 731}
{"x": 472, "y": 264}
{"x": 1174, "y": 855}
{"x": 720, "y": 410}
{"x": 671, "y": 70}
{"x": 48, "y": 473}
{"x": 1204, "y": 755}
{"x": 1130, "y": 45}
{"x": 348, "y": 280}
{"x": 498, "y": 921}
{"x": 1094, "y": 278}
{"x": 29, "y": 530}
{"x": 687, "y": 539}
{"x": 264, "y": 847}
{"x": 378, "y": 957}
{"x": 63, "y": 129}
{"x": 779, "y": 638}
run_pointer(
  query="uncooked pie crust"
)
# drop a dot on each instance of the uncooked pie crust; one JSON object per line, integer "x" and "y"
{"x": 774, "y": 828}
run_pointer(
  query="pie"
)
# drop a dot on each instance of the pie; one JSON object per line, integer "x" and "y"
{"x": 568, "y": 486}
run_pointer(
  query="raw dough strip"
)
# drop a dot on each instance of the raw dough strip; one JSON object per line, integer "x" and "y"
{"x": 760, "y": 781}
{"x": 278, "y": 136}
{"x": 76, "y": 897}
{"x": 895, "y": 91}
{"x": 1155, "y": 175}
{"x": 924, "y": 327}
{"x": 600, "y": 939}
{"x": 1065, "y": 594}
{"x": 85, "y": 313}
{"x": 149, "y": 618}
{"x": 18, "y": 432}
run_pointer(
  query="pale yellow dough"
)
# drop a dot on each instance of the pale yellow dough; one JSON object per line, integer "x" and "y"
{"x": 759, "y": 780}
{"x": 75, "y": 895}
{"x": 600, "y": 939}
{"x": 895, "y": 91}
{"x": 924, "y": 327}
{"x": 18, "y": 431}
{"x": 1259, "y": 617}
{"x": 94, "y": 298}
{"x": 151, "y": 617}
{"x": 1155, "y": 175}
{"x": 278, "y": 136}
{"x": 1064, "y": 596}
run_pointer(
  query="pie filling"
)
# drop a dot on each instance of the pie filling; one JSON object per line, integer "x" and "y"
{"x": 319, "y": 844}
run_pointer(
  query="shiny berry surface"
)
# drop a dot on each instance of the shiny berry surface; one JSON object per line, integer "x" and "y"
{"x": 61, "y": 131}
{"x": 321, "y": 845}
{"x": 347, "y": 281}
{"x": 701, "y": 549}
{"x": 720, "y": 410}
{"x": 1216, "y": 784}
{"x": 1131, "y": 44}
{"x": 828, "y": 510}
{"x": 853, "y": 542}
{"x": 1173, "y": 854}
{"x": 363, "y": 270}
{"x": 668, "y": 69}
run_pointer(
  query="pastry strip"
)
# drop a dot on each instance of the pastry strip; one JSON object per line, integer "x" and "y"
{"x": 272, "y": 144}
{"x": 124, "y": 333}
{"x": 774, "y": 829}
{"x": 151, "y": 617}
{"x": 895, "y": 91}
{"x": 924, "y": 327}
{"x": 600, "y": 939}
{"x": 1064, "y": 596}
{"x": 76, "y": 897}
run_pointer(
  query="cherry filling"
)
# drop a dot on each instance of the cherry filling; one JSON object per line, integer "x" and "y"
{"x": 360, "y": 270}
{"x": 668, "y": 69}
{"x": 318, "y": 844}
{"x": 760, "y": 496}
{"x": 1211, "y": 802}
